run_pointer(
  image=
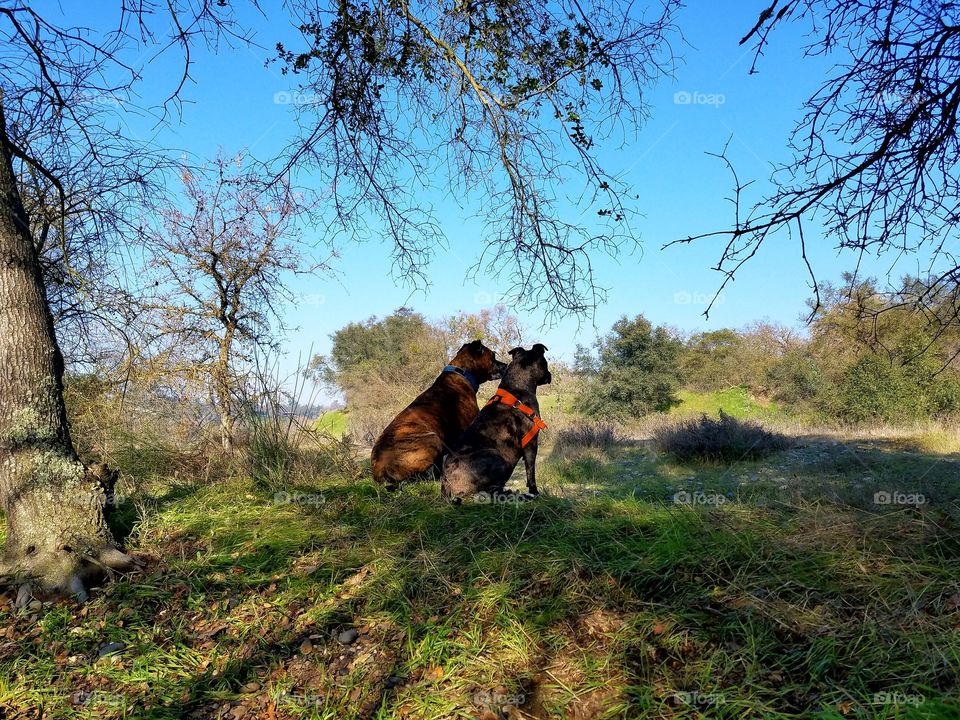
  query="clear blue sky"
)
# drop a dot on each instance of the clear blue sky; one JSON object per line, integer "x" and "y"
{"x": 681, "y": 190}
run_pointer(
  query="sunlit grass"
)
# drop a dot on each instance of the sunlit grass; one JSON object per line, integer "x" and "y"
{"x": 735, "y": 401}
{"x": 794, "y": 596}
{"x": 333, "y": 422}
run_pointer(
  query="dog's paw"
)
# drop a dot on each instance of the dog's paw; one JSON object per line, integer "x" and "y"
{"x": 527, "y": 496}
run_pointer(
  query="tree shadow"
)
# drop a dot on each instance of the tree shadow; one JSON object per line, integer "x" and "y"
{"x": 620, "y": 596}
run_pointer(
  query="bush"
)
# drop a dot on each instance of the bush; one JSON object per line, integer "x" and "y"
{"x": 600, "y": 435}
{"x": 636, "y": 371}
{"x": 946, "y": 398}
{"x": 872, "y": 390}
{"x": 796, "y": 379}
{"x": 725, "y": 439}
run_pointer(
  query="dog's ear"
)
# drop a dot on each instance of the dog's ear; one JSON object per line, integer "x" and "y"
{"x": 516, "y": 351}
{"x": 539, "y": 348}
{"x": 476, "y": 348}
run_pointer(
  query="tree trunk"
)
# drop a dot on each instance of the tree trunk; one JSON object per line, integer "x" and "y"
{"x": 56, "y": 530}
{"x": 223, "y": 390}
{"x": 227, "y": 433}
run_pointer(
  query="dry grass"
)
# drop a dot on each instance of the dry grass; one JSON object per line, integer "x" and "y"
{"x": 600, "y": 435}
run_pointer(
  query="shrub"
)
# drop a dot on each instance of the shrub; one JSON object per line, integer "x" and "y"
{"x": 725, "y": 439}
{"x": 636, "y": 371}
{"x": 872, "y": 390}
{"x": 795, "y": 379}
{"x": 946, "y": 398}
{"x": 600, "y": 435}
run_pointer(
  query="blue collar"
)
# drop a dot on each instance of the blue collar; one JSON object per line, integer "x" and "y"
{"x": 465, "y": 374}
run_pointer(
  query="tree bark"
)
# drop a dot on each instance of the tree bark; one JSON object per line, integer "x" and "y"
{"x": 223, "y": 386}
{"x": 55, "y": 510}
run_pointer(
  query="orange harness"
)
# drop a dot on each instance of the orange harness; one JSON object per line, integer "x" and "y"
{"x": 502, "y": 396}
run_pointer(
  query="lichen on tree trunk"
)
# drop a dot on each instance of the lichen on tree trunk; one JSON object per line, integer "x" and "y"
{"x": 57, "y": 533}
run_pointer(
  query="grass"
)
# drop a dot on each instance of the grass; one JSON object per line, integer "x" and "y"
{"x": 938, "y": 441}
{"x": 736, "y": 402}
{"x": 630, "y": 590}
{"x": 332, "y": 422}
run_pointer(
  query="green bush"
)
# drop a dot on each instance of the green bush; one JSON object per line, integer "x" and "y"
{"x": 946, "y": 398}
{"x": 796, "y": 379}
{"x": 636, "y": 370}
{"x": 873, "y": 390}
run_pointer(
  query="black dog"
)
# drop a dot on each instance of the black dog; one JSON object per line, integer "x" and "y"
{"x": 505, "y": 429}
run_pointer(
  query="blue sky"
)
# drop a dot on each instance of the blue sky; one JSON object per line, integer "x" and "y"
{"x": 681, "y": 190}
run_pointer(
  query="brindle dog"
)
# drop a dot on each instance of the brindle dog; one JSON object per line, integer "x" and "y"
{"x": 416, "y": 441}
{"x": 492, "y": 446}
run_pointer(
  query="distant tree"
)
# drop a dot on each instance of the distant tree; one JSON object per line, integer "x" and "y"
{"x": 877, "y": 355}
{"x": 876, "y": 154}
{"x": 221, "y": 261}
{"x": 711, "y": 360}
{"x": 381, "y": 364}
{"x": 634, "y": 370}
{"x": 399, "y": 348}
{"x": 499, "y": 329}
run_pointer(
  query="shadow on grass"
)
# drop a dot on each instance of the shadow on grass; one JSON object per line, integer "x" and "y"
{"x": 604, "y": 598}
{"x": 703, "y": 608}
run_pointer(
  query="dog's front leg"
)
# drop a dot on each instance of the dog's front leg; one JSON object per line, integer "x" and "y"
{"x": 530, "y": 463}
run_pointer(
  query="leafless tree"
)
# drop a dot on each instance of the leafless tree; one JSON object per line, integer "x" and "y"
{"x": 221, "y": 260}
{"x": 875, "y": 156}
{"x": 82, "y": 210}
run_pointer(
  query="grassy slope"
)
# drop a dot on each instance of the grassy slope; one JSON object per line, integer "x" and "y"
{"x": 735, "y": 401}
{"x": 795, "y": 598}
{"x": 333, "y": 422}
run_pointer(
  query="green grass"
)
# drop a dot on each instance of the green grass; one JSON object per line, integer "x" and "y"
{"x": 562, "y": 404}
{"x": 794, "y": 597}
{"x": 333, "y": 422}
{"x": 735, "y": 401}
